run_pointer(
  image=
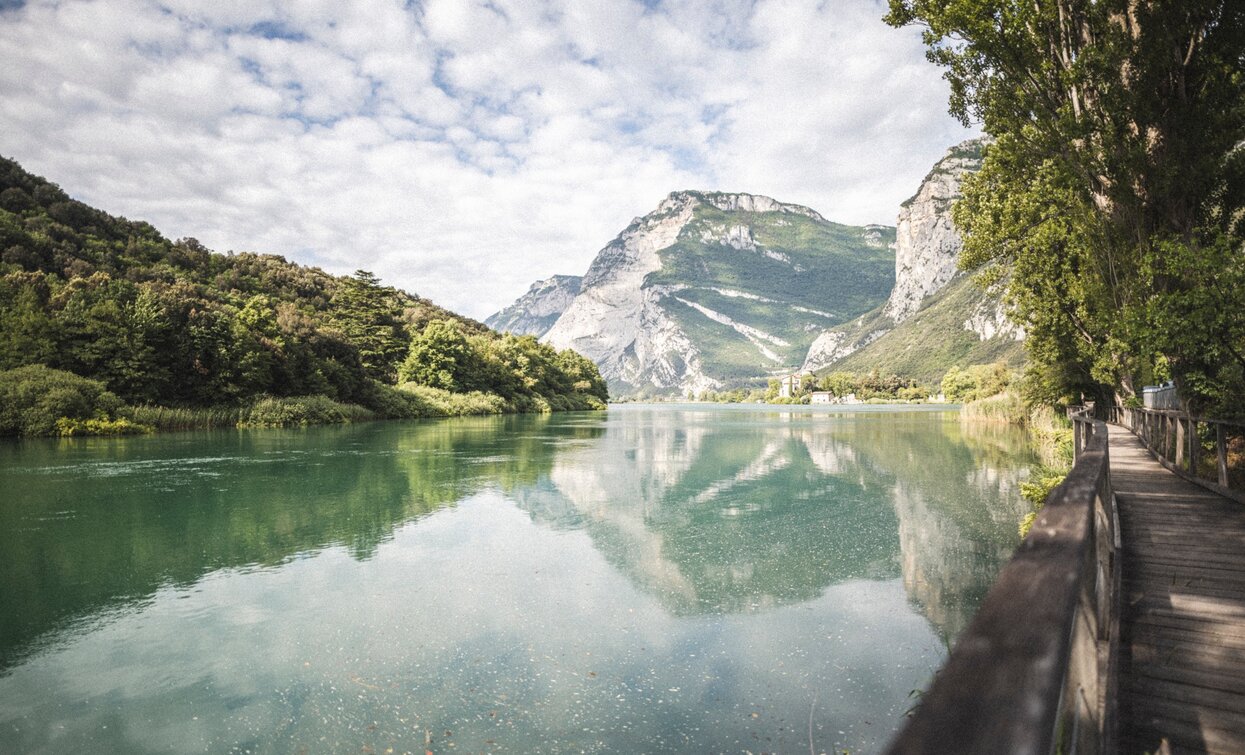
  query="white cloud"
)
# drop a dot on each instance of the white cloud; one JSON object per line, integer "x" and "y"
{"x": 462, "y": 149}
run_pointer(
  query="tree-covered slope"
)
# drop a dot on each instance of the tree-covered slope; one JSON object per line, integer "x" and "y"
{"x": 172, "y": 323}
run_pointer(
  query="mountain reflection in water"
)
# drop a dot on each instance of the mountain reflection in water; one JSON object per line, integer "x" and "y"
{"x": 744, "y": 560}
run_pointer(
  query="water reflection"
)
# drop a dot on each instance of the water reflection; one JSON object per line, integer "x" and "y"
{"x": 94, "y": 523}
{"x": 647, "y": 578}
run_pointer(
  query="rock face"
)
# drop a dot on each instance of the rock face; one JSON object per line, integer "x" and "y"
{"x": 712, "y": 289}
{"x": 537, "y": 310}
{"x": 933, "y": 314}
{"x": 927, "y": 244}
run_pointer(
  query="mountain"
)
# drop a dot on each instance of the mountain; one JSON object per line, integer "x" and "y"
{"x": 712, "y": 289}
{"x": 935, "y": 316}
{"x": 535, "y": 312}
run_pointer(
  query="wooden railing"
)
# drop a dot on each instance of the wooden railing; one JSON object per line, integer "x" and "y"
{"x": 1035, "y": 671}
{"x": 1178, "y": 440}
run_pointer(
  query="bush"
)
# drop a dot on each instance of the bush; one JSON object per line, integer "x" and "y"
{"x": 302, "y": 411}
{"x": 976, "y": 382}
{"x": 39, "y": 401}
{"x": 68, "y": 427}
{"x": 435, "y": 402}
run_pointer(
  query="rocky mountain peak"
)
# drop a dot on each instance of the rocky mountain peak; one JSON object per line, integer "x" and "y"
{"x": 537, "y": 310}
{"x": 927, "y": 244}
{"x": 735, "y": 202}
{"x": 718, "y": 287}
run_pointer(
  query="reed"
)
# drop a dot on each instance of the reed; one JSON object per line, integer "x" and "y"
{"x": 1006, "y": 408}
{"x": 183, "y": 418}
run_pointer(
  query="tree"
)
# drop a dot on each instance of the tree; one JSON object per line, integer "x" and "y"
{"x": 371, "y": 319}
{"x": 1114, "y": 188}
{"x": 439, "y": 357}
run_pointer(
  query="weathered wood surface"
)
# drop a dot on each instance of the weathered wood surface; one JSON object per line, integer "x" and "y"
{"x": 1182, "y": 659}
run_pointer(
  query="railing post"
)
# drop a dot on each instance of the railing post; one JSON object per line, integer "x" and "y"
{"x": 1167, "y": 437}
{"x": 1195, "y": 447}
{"x": 1076, "y": 439}
{"x": 1221, "y": 450}
{"x": 1179, "y": 450}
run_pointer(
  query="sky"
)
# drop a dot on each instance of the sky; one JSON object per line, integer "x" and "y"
{"x": 462, "y": 149}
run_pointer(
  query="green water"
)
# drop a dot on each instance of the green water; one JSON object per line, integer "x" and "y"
{"x": 650, "y": 579}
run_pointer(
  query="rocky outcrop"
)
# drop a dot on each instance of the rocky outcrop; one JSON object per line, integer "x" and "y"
{"x": 619, "y": 323}
{"x": 712, "y": 289}
{"x": 537, "y": 310}
{"x": 927, "y": 244}
{"x": 927, "y": 248}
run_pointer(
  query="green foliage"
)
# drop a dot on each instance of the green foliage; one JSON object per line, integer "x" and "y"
{"x": 979, "y": 381}
{"x": 870, "y": 386}
{"x": 1002, "y": 408}
{"x": 1052, "y": 437}
{"x": 182, "y": 418}
{"x": 302, "y": 411}
{"x": 370, "y": 316}
{"x": 1042, "y": 480}
{"x": 436, "y": 402}
{"x": 519, "y": 369}
{"x": 66, "y": 427}
{"x": 172, "y": 324}
{"x": 39, "y": 401}
{"x": 439, "y": 358}
{"x": 1114, "y": 191}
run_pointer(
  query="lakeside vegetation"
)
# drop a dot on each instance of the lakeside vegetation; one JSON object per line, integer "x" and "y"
{"x": 1111, "y": 200}
{"x": 169, "y": 335}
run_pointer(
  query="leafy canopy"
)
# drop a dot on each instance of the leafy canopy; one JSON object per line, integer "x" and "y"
{"x": 1115, "y": 186}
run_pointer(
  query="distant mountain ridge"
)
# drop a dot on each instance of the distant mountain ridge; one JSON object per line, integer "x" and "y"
{"x": 716, "y": 290}
{"x": 712, "y": 289}
{"x": 534, "y": 313}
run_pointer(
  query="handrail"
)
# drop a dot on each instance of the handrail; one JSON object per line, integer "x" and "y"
{"x": 1174, "y": 439}
{"x": 1035, "y": 671}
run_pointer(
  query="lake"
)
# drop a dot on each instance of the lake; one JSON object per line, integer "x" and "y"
{"x": 653, "y": 578}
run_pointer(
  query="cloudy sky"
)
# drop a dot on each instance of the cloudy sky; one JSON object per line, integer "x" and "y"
{"x": 461, "y": 149}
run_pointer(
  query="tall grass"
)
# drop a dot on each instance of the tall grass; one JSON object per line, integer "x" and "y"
{"x": 1006, "y": 408}
{"x": 181, "y": 418}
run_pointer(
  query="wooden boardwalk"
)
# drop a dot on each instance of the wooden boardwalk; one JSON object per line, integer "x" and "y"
{"x": 1182, "y": 653}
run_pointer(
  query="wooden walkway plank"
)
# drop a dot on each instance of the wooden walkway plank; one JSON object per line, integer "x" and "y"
{"x": 1182, "y": 661}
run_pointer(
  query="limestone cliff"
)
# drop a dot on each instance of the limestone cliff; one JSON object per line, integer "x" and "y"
{"x": 714, "y": 289}
{"x": 537, "y": 310}
{"x": 934, "y": 317}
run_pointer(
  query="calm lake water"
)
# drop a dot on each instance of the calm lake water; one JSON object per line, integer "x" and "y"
{"x": 649, "y": 579}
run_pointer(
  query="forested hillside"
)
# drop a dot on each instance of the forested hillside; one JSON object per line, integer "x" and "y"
{"x": 172, "y": 323}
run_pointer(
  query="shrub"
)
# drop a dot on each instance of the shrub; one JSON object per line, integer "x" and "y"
{"x": 68, "y": 427}
{"x": 302, "y": 411}
{"x": 436, "y": 402}
{"x": 39, "y": 401}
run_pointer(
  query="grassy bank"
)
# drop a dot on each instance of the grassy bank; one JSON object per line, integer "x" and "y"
{"x": 38, "y": 401}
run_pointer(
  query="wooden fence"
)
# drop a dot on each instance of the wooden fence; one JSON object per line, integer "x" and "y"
{"x": 1195, "y": 448}
{"x": 1035, "y": 671}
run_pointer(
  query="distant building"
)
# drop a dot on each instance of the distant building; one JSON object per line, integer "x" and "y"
{"x": 789, "y": 386}
{"x": 821, "y": 397}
